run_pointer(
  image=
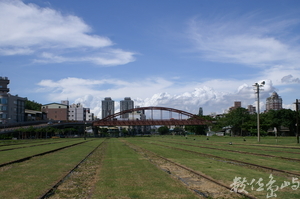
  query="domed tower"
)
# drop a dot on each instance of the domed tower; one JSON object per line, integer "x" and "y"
{"x": 274, "y": 102}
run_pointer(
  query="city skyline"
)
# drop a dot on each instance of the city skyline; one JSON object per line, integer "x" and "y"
{"x": 178, "y": 54}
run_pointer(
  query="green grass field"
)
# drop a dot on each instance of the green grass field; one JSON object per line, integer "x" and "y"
{"x": 117, "y": 171}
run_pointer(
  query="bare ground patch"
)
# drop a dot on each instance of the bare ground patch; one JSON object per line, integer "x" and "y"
{"x": 203, "y": 187}
{"x": 80, "y": 184}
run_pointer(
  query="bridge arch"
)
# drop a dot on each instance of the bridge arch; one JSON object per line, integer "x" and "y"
{"x": 112, "y": 121}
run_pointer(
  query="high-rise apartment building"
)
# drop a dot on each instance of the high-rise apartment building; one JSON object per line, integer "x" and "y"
{"x": 200, "y": 113}
{"x": 12, "y": 108}
{"x": 274, "y": 102}
{"x": 126, "y": 104}
{"x": 108, "y": 107}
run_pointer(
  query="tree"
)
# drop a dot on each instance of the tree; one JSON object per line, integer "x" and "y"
{"x": 236, "y": 119}
{"x": 199, "y": 129}
{"x": 278, "y": 119}
{"x": 124, "y": 131}
{"x": 32, "y": 105}
{"x": 103, "y": 131}
{"x": 163, "y": 130}
{"x": 178, "y": 130}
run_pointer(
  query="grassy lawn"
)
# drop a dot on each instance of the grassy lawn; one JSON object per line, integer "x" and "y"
{"x": 28, "y": 143}
{"x": 260, "y": 160}
{"x": 126, "y": 174}
{"x": 11, "y": 155}
{"x": 221, "y": 170}
{"x": 121, "y": 172}
{"x": 290, "y": 153}
{"x": 31, "y": 178}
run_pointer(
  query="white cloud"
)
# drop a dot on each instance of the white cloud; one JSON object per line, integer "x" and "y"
{"x": 16, "y": 51}
{"x": 243, "y": 42}
{"x": 282, "y": 74}
{"x": 73, "y": 88}
{"x": 151, "y": 92}
{"x": 28, "y": 29}
{"x": 110, "y": 57}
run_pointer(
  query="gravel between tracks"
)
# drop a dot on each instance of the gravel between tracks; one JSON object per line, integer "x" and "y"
{"x": 80, "y": 184}
{"x": 203, "y": 187}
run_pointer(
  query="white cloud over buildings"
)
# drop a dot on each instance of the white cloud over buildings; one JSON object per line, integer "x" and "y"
{"x": 50, "y": 36}
{"x": 151, "y": 92}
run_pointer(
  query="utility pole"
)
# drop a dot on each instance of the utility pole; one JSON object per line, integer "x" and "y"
{"x": 257, "y": 91}
{"x": 297, "y": 120}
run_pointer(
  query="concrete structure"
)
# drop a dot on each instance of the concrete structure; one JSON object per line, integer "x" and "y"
{"x": 78, "y": 113}
{"x": 274, "y": 102}
{"x": 251, "y": 109}
{"x": 200, "y": 113}
{"x": 108, "y": 107}
{"x": 32, "y": 115}
{"x": 237, "y": 104}
{"x": 88, "y": 115}
{"x": 56, "y": 111}
{"x": 12, "y": 108}
{"x": 137, "y": 115}
{"x": 66, "y": 112}
{"x": 126, "y": 104}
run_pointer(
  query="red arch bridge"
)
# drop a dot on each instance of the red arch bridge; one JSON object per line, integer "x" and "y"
{"x": 184, "y": 118}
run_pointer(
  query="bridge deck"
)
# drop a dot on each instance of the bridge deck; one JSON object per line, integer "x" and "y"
{"x": 148, "y": 122}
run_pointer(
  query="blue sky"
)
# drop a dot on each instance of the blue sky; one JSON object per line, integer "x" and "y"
{"x": 182, "y": 54}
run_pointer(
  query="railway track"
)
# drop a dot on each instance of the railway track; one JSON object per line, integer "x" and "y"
{"x": 203, "y": 185}
{"x": 233, "y": 161}
{"x": 39, "y": 154}
{"x": 269, "y": 146}
{"x": 292, "y": 152}
{"x": 55, "y": 186}
{"x": 31, "y": 146}
{"x": 11, "y": 144}
{"x": 235, "y": 151}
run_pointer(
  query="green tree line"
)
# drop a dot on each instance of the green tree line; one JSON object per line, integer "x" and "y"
{"x": 242, "y": 123}
{"x": 32, "y": 105}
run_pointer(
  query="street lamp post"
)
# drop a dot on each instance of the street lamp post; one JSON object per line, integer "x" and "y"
{"x": 257, "y": 85}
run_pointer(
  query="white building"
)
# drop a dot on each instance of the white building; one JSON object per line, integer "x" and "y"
{"x": 78, "y": 113}
{"x": 274, "y": 102}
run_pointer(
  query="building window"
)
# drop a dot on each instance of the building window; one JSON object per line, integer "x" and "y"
{"x": 3, "y": 108}
{"x": 3, "y": 100}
